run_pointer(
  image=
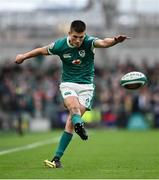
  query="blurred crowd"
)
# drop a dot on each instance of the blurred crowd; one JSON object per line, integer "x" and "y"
{"x": 33, "y": 89}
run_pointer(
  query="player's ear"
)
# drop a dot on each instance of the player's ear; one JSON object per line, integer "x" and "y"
{"x": 69, "y": 33}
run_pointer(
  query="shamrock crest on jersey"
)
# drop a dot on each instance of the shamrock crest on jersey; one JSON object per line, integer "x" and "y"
{"x": 82, "y": 53}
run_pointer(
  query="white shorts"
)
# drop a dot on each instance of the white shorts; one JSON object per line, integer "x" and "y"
{"x": 84, "y": 92}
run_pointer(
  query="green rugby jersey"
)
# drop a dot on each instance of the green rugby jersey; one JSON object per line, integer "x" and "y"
{"x": 78, "y": 63}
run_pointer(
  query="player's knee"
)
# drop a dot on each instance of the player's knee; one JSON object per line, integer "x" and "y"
{"x": 74, "y": 109}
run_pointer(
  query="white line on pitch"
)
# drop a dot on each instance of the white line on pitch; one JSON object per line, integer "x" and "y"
{"x": 30, "y": 146}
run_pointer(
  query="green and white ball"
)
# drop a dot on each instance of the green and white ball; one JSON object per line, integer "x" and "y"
{"x": 133, "y": 80}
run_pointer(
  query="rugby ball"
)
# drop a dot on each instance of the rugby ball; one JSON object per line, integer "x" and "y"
{"x": 133, "y": 80}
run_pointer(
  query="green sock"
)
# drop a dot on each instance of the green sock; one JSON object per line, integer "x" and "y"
{"x": 76, "y": 118}
{"x": 64, "y": 141}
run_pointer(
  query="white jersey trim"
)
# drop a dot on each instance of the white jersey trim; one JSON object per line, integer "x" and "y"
{"x": 68, "y": 43}
{"x": 50, "y": 47}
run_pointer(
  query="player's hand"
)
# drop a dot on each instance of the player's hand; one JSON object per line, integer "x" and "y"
{"x": 19, "y": 59}
{"x": 121, "y": 38}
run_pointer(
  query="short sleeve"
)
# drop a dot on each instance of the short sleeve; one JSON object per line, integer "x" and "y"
{"x": 91, "y": 41}
{"x": 53, "y": 48}
{"x": 50, "y": 48}
{"x": 56, "y": 47}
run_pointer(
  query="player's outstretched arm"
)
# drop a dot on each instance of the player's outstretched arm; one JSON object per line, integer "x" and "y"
{"x": 108, "y": 42}
{"x": 35, "y": 52}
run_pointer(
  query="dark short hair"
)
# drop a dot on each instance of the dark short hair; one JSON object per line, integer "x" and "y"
{"x": 78, "y": 26}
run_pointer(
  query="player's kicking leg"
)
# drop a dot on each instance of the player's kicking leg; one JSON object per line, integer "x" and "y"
{"x": 80, "y": 130}
{"x": 76, "y": 111}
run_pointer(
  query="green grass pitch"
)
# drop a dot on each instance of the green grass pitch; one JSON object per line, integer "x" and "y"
{"x": 107, "y": 154}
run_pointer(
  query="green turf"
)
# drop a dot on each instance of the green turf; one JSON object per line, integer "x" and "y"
{"x": 107, "y": 154}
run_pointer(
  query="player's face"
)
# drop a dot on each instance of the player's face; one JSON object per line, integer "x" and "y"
{"x": 76, "y": 39}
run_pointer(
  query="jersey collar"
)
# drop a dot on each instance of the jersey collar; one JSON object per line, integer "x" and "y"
{"x": 68, "y": 43}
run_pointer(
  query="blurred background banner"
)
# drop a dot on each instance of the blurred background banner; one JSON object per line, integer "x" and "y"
{"x": 29, "y": 93}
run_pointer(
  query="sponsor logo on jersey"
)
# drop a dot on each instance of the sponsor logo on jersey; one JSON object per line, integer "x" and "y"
{"x": 67, "y": 55}
{"x": 76, "y": 61}
{"x": 82, "y": 53}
